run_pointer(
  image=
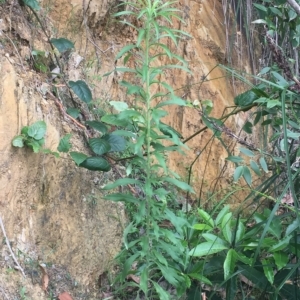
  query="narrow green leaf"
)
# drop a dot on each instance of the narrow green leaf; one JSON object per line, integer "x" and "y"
{"x": 173, "y": 101}
{"x": 206, "y": 217}
{"x": 207, "y": 248}
{"x": 235, "y": 159}
{"x": 200, "y": 278}
{"x": 213, "y": 238}
{"x": 263, "y": 164}
{"x": 238, "y": 172}
{"x": 226, "y": 227}
{"x": 268, "y": 270}
{"x": 124, "y": 50}
{"x": 163, "y": 295}
{"x": 78, "y": 157}
{"x": 114, "y": 120}
{"x": 254, "y": 166}
{"x": 222, "y": 213}
{"x": 240, "y": 232}
{"x": 247, "y": 175}
{"x": 121, "y": 197}
{"x": 292, "y": 227}
{"x": 81, "y": 89}
{"x": 32, "y": 3}
{"x": 229, "y": 263}
{"x": 62, "y": 44}
{"x": 182, "y": 185}
{"x": 281, "y": 259}
{"x": 202, "y": 227}
{"x": 282, "y": 244}
{"x": 121, "y": 182}
{"x": 64, "y": 143}
{"x": 247, "y": 152}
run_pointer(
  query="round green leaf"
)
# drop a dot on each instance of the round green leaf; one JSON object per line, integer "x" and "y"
{"x": 73, "y": 112}
{"x": 81, "y": 89}
{"x": 62, "y": 44}
{"x": 37, "y": 130}
{"x": 78, "y": 157}
{"x": 96, "y": 164}
{"x": 116, "y": 142}
{"x": 18, "y": 141}
{"x": 64, "y": 144}
{"x": 99, "y": 145}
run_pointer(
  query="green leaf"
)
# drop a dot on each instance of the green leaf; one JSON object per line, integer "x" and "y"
{"x": 202, "y": 227}
{"x": 213, "y": 238}
{"x": 96, "y": 164}
{"x": 78, "y": 157}
{"x": 163, "y": 295}
{"x": 248, "y": 127}
{"x": 281, "y": 259}
{"x": 222, "y": 213}
{"x": 282, "y": 244}
{"x": 173, "y": 101}
{"x": 124, "y": 50}
{"x": 24, "y": 130}
{"x": 121, "y": 182}
{"x": 81, "y": 89}
{"x": 206, "y": 217}
{"x": 18, "y": 141}
{"x": 247, "y": 152}
{"x": 62, "y": 44}
{"x": 238, "y": 172}
{"x": 292, "y": 227}
{"x": 64, "y": 143}
{"x": 32, "y": 3}
{"x": 99, "y": 145}
{"x": 182, "y": 185}
{"x": 226, "y": 227}
{"x": 119, "y": 105}
{"x": 97, "y": 125}
{"x": 168, "y": 130}
{"x": 33, "y": 144}
{"x": 254, "y": 166}
{"x": 229, "y": 263}
{"x": 263, "y": 164}
{"x": 37, "y": 130}
{"x": 113, "y": 120}
{"x": 116, "y": 142}
{"x": 240, "y": 232}
{"x": 268, "y": 270}
{"x": 118, "y": 197}
{"x": 207, "y": 248}
{"x": 73, "y": 112}
{"x": 235, "y": 159}
{"x": 200, "y": 278}
{"x": 247, "y": 175}
{"x": 245, "y": 98}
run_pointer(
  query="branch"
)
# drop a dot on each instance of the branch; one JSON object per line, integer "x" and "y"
{"x": 10, "y": 250}
{"x": 294, "y": 5}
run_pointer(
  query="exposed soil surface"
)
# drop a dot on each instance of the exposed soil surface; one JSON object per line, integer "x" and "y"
{"x": 53, "y": 211}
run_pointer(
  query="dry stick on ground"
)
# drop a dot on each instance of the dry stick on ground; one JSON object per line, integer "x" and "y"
{"x": 8, "y": 245}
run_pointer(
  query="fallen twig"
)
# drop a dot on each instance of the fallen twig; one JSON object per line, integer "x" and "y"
{"x": 11, "y": 252}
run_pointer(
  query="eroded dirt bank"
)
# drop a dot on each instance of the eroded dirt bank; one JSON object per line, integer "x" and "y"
{"x": 52, "y": 211}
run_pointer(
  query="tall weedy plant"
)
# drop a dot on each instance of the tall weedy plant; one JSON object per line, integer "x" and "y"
{"x": 154, "y": 253}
